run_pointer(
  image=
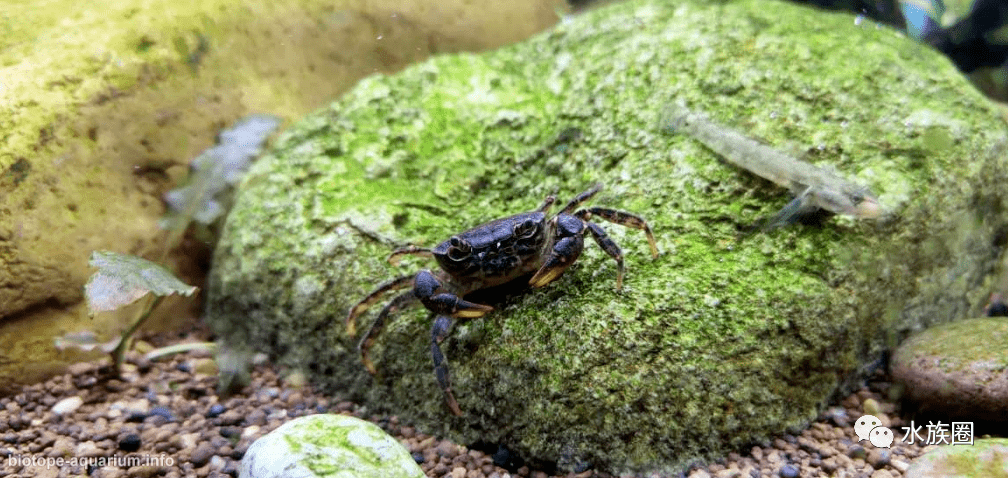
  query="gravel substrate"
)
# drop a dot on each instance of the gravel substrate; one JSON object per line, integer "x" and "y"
{"x": 167, "y": 413}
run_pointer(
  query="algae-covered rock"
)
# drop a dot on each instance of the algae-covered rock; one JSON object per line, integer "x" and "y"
{"x": 334, "y": 446}
{"x": 986, "y": 458}
{"x": 727, "y": 338}
{"x": 957, "y": 370}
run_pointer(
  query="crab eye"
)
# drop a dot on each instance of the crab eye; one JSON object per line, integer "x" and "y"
{"x": 458, "y": 250}
{"x": 526, "y": 229}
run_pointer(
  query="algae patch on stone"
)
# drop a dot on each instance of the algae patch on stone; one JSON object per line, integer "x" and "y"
{"x": 327, "y": 445}
{"x": 725, "y": 340}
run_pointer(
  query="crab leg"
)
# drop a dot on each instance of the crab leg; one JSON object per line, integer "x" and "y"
{"x": 547, "y": 203}
{"x": 401, "y": 300}
{"x": 610, "y": 247}
{"x": 401, "y": 282}
{"x": 622, "y": 218}
{"x": 442, "y": 325}
{"x": 581, "y": 198}
{"x": 393, "y": 258}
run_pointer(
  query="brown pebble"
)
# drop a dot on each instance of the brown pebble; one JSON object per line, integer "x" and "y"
{"x": 201, "y": 455}
{"x": 881, "y": 474}
{"x": 458, "y": 472}
{"x": 447, "y": 449}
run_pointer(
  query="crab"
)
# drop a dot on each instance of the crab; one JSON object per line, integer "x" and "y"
{"x": 491, "y": 254}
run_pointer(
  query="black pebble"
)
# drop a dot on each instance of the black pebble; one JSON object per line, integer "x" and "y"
{"x": 130, "y": 442}
{"x": 136, "y": 417}
{"x": 230, "y": 432}
{"x": 418, "y": 457}
{"x": 507, "y": 460}
{"x": 215, "y": 410}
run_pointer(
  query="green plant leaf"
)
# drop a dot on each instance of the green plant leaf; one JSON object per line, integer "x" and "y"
{"x": 123, "y": 279}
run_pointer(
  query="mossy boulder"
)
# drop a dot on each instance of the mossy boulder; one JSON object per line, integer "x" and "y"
{"x": 729, "y": 337}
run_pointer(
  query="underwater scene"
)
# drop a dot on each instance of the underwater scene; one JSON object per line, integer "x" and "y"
{"x": 545, "y": 238}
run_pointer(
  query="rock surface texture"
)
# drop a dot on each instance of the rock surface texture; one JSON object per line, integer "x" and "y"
{"x": 957, "y": 370}
{"x": 103, "y": 109}
{"x": 984, "y": 458}
{"x": 328, "y": 445}
{"x": 729, "y": 338}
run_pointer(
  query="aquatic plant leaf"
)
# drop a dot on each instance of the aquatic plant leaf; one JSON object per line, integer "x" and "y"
{"x": 215, "y": 170}
{"x": 123, "y": 279}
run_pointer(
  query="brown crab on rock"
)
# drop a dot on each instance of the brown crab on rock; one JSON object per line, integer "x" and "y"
{"x": 492, "y": 254}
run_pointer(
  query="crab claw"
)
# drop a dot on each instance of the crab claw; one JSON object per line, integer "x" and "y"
{"x": 565, "y": 252}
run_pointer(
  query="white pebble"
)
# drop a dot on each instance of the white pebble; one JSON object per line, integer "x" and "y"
{"x": 67, "y": 405}
{"x": 250, "y": 431}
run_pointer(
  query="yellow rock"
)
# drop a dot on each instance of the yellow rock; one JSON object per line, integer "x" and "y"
{"x": 104, "y": 105}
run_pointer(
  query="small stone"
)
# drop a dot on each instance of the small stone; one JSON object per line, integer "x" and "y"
{"x": 129, "y": 442}
{"x": 63, "y": 446}
{"x": 881, "y": 474}
{"x": 185, "y": 441}
{"x": 899, "y": 465}
{"x": 88, "y": 449}
{"x": 230, "y": 417}
{"x": 217, "y": 463}
{"x": 447, "y": 449}
{"x": 231, "y": 432}
{"x": 201, "y": 455}
{"x": 250, "y": 432}
{"x": 837, "y": 415}
{"x": 879, "y": 457}
{"x": 215, "y": 410}
{"x": 871, "y": 407}
{"x": 296, "y": 380}
{"x": 789, "y": 471}
{"x": 67, "y": 405}
{"x": 145, "y": 471}
{"x": 729, "y": 473}
{"x": 162, "y": 412}
{"x": 291, "y": 449}
{"x": 81, "y": 368}
{"x": 142, "y": 347}
{"x": 857, "y": 452}
{"x": 458, "y": 472}
{"x": 205, "y": 366}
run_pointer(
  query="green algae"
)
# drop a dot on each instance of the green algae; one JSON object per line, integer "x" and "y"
{"x": 983, "y": 458}
{"x": 342, "y": 446}
{"x": 727, "y": 338}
